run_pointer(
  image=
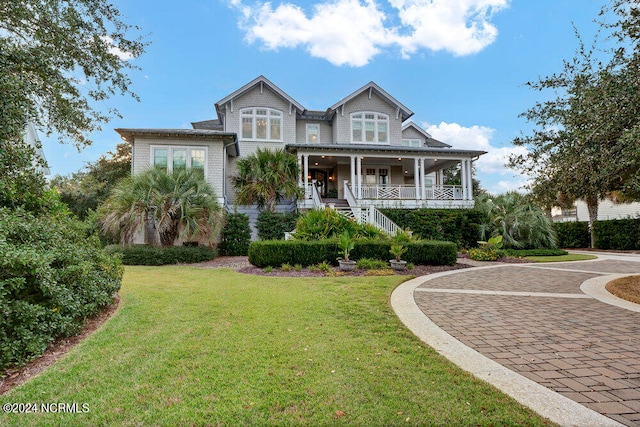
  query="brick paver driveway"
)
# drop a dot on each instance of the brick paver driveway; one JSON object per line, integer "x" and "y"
{"x": 535, "y": 320}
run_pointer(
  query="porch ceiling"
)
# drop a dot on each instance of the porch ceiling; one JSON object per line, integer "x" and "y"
{"x": 431, "y": 165}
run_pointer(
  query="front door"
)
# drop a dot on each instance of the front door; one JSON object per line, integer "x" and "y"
{"x": 321, "y": 180}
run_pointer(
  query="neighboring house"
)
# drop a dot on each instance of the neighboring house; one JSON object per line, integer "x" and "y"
{"x": 607, "y": 209}
{"x": 363, "y": 149}
{"x": 31, "y": 138}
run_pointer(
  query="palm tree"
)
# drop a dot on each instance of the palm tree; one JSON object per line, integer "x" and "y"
{"x": 514, "y": 217}
{"x": 169, "y": 205}
{"x": 266, "y": 177}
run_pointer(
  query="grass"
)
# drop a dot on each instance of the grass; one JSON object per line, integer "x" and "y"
{"x": 561, "y": 258}
{"x": 213, "y": 347}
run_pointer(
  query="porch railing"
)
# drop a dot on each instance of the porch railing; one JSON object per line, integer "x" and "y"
{"x": 408, "y": 192}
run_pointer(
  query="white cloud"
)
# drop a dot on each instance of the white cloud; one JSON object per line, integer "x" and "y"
{"x": 352, "y": 32}
{"x": 491, "y": 167}
{"x": 115, "y": 50}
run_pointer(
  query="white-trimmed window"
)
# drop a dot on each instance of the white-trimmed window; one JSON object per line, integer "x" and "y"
{"x": 412, "y": 142}
{"x": 313, "y": 133}
{"x": 369, "y": 128}
{"x": 261, "y": 124}
{"x": 175, "y": 158}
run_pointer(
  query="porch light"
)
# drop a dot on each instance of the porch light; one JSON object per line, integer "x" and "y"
{"x": 330, "y": 177}
{"x": 316, "y": 163}
{"x": 309, "y": 177}
{"x": 323, "y": 157}
{"x": 399, "y": 158}
{"x": 435, "y": 160}
{"x": 406, "y": 171}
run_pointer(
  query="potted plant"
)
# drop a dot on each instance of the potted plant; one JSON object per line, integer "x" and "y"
{"x": 346, "y": 246}
{"x": 397, "y": 251}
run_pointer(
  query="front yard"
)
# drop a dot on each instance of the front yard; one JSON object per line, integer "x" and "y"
{"x": 195, "y": 346}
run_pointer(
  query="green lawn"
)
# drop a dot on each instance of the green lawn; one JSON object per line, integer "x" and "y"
{"x": 213, "y": 347}
{"x": 561, "y": 258}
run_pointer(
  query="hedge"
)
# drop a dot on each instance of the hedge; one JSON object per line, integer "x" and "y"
{"x": 621, "y": 234}
{"x": 572, "y": 234}
{"x": 273, "y": 225}
{"x": 155, "y": 255}
{"x": 274, "y": 253}
{"x": 453, "y": 225}
{"x": 52, "y": 278}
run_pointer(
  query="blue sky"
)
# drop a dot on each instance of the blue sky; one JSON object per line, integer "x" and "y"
{"x": 460, "y": 65}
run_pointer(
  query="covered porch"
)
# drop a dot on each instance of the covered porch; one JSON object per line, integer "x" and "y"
{"x": 383, "y": 177}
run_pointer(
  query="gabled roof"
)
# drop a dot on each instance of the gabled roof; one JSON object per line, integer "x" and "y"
{"x": 430, "y": 141}
{"x": 261, "y": 80}
{"x": 208, "y": 124}
{"x": 372, "y": 87}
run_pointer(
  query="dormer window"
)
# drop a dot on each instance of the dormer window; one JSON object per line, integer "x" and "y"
{"x": 261, "y": 124}
{"x": 313, "y": 133}
{"x": 369, "y": 128}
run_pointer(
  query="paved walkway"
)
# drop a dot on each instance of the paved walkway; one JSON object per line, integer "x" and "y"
{"x": 547, "y": 334}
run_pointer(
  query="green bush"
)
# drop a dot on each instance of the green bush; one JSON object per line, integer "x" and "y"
{"x": 371, "y": 264}
{"x": 572, "y": 234}
{"x": 236, "y": 235}
{"x": 485, "y": 253}
{"x": 318, "y": 224}
{"x": 161, "y": 255}
{"x": 273, "y": 225}
{"x": 453, "y": 225}
{"x": 620, "y": 234}
{"x": 277, "y": 252}
{"x": 52, "y": 278}
{"x": 274, "y": 253}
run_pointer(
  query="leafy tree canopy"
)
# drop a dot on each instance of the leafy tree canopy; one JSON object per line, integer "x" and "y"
{"x": 56, "y": 58}
{"x": 86, "y": 189}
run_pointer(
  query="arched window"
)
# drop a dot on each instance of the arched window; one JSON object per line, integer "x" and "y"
{"x": 369, "y": 128}
{"x": 262, "y": 124}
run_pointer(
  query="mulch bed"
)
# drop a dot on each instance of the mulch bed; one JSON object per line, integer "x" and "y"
{"x": 418, "y": 270}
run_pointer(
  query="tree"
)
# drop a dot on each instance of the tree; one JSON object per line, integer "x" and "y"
{"x": 583, "y": 146}
{"x": 56, "y": 58}
{"x": 85, "y": 190}
{"x": 168, "y": 206}
{"x": 514, "y": 217}
{"x": 266, "y": 177}
{"x": 452, "y": 177}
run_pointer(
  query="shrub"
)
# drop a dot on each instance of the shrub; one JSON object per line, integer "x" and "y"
{"x": 328, "y": 223}
{"x": 52, "y": 278}
{"x": 236, "y": 235}
{"x": 305, "y": 253}
{"x": 158, "y": 255}
{"x": 371, "y": 264}
{"x": 620, "y": 234}
{"x": 453, "y": 225}
{"x": 273, "y": 225}
{"x": 484, "y": 254}
{"x": 572, "y": 234}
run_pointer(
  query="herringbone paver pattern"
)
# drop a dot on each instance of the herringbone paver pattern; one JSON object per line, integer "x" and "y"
{"x": 580, "y": 347}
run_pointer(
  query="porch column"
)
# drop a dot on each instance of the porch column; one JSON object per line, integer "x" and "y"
{"x": 470, "y": 179}
{"x": 440, "y": 178}
{"x": 359, "y": 175}
{"x": 352, "y": 182}
{"x": 463, "y": 178}
{"x": 300, "y": 169}
{"x": 416, "y": 178}
{"x": 306, "y": 174}
{"x": 422, "y": 183}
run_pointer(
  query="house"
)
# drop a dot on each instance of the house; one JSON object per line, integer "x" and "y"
{"x": 607, "y": 209}
{"x": 363, "y": 150}
{"x": 32, "y": 140}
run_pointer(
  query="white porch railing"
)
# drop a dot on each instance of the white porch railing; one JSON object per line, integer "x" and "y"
{"x": 369, "y": 215}
{"x": 405, "y": 192}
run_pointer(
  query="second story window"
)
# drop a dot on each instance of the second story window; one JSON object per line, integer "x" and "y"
{"x": 369, "y": 128}
{"x": 313, "y": 133}
{"x": 412, "y": 143}
{"x": 263, "y": 124}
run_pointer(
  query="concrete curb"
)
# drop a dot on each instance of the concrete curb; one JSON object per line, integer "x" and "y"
{"x": 545, "y": 402}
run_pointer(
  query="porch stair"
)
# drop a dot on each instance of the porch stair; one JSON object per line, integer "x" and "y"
{"x": 338, "y": 203}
